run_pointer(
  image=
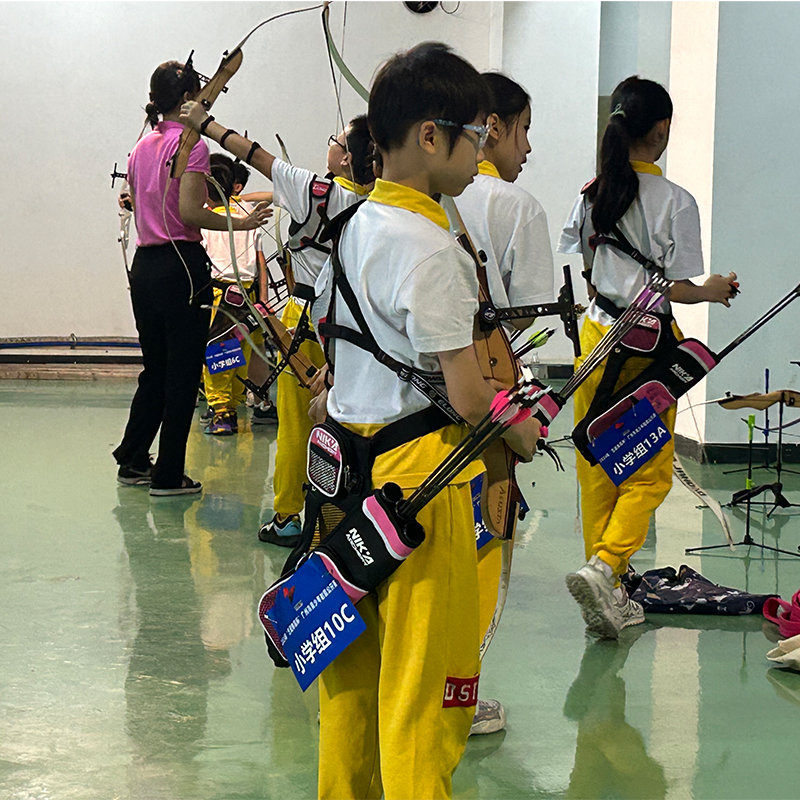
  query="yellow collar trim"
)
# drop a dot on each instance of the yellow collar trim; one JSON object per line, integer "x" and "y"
{"x": 487, "y": 168}
{"x": 351, "y": 186}
{"x": 646, "y": 166}
{"x": 401, "y": 196}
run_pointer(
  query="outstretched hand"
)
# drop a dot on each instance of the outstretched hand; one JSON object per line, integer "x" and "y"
{"x": 721, "y": 288}
{"x": 258, "y": 216}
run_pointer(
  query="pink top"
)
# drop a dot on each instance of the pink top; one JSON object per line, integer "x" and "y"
{"x": 148, "y": 174}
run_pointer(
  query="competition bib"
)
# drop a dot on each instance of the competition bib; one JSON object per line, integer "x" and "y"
{"x": 224, "y": 356}
{"x": 630, "y": 442}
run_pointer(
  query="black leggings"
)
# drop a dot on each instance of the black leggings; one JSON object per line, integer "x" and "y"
{"x": 173, "y": 333}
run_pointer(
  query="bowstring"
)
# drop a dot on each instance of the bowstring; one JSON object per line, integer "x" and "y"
{"x": 337, "y": 87}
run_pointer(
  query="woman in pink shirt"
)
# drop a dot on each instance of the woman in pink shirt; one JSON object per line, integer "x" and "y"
{"x": 169, "y": 287}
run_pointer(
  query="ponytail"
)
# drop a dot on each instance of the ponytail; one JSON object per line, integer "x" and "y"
{"x": 170, "y": 81}
{"x": 638, "y": 104}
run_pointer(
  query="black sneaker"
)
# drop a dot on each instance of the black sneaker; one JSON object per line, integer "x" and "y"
{"x": 129, "y": 476}
{"x": 187, "y": 486}
{"x": 265, "y": 416}
{"x": 207, "y": 415}
{"x": 284, "y": 534}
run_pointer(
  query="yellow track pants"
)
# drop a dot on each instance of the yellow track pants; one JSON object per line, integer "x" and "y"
{"x": 294, "y": 426}
{"x": 224, "y": 391}
{"x": 615, "y": 519}
{"x": 383, "y": 724}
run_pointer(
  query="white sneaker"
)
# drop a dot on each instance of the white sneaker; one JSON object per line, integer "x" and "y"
{"x": 592, "y": 586}
{"x": 631, "y": 612}
{"x": 490, "y": 717}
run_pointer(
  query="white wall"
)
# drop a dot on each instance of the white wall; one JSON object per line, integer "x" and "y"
{"x": 551, "y": 48}
{"x": 756, "y": 179}
{"x": 635, "y": 40}
{"x": 693, "y": 83}
{"x": 75, "y": 83}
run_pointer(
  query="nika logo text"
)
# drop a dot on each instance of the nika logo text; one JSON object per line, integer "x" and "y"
{"x": 679, "y": 372}
{"x": 361, "y": 550}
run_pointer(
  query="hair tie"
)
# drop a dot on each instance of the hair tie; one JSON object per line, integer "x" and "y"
{"x": 617, "y": 112}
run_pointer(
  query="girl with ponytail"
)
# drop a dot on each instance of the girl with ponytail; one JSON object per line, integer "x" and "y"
{"x": 169, "y": 284}
{"x": 627, "y": 222}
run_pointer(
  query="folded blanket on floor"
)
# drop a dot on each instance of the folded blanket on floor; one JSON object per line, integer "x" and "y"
{"x": 667, "y": 591}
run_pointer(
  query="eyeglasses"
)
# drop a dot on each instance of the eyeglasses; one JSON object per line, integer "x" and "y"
{"x": 481, "y": 130}
{"x": 333, "y": 139}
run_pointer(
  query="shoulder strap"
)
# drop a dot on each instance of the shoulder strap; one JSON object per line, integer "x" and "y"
{"x": 319, "y": 190}
{"x": 362, "y": 336}
{"x": 623, "y": 244}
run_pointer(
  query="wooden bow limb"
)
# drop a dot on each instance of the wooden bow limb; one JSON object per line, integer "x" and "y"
{"x": 759, "y": 400}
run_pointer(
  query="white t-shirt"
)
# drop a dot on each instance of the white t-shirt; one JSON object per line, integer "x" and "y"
{"x": 418, "y": 292}
{"x": 510, "y": 226}
{"x": 218, "y": 246}
{"x": 291, "y": 187}
{"x": 663, "y": 223}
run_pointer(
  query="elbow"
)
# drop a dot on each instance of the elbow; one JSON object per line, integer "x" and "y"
{"x": 473, "y": 408}
{"x": 189, "y": 215}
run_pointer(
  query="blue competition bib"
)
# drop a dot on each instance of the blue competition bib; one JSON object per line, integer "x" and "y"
{"x": 482, "y": 535}
{"x": 224, "y": 356}
{"x": 630, "y": 442}
{"x": 315, "y": 620}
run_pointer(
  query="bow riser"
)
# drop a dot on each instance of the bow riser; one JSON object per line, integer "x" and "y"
{"x": 228, "y": 67}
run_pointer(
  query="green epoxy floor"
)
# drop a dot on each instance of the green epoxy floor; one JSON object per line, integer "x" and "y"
{"x": 132, "y": 663}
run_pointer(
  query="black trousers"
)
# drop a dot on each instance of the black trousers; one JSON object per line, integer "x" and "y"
{"x": 173, "y": 333}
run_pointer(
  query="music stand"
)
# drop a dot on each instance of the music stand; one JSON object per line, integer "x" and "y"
{"x": 747, "y": 494}
{"x": 783, "y": 398}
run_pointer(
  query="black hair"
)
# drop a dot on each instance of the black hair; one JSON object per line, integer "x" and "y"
{"x": 427, "y": 82}
{"x": 241, "y": 173}
{"x": 360, "y": 147}
{"x": 167, "y": 86}
{"x": 637, "y": 105}
{"x": 509, "y": 99}
{"x": 222, "y": 171}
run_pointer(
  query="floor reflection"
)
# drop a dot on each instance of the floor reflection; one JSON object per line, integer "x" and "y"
{"x": 611, "y": 758}
{"x": 169, "y": 670}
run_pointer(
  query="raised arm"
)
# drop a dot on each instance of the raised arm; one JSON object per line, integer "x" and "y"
{"x": 195, "y": 116}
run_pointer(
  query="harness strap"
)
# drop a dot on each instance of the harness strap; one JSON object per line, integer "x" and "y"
{"x": 304, "y": 292}
{"x": 622, "y": 243}
{"x": 319, "y": 190}
{"x": 424, "y": 382}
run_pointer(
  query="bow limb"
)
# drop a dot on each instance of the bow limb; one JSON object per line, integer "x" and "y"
{"x": 270, "y": 325}
{"x": 683, "y": 476}
{"x": 336, "y": 58}
{"x": 283, "y": 253}
{"x": 706, "y": 499}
